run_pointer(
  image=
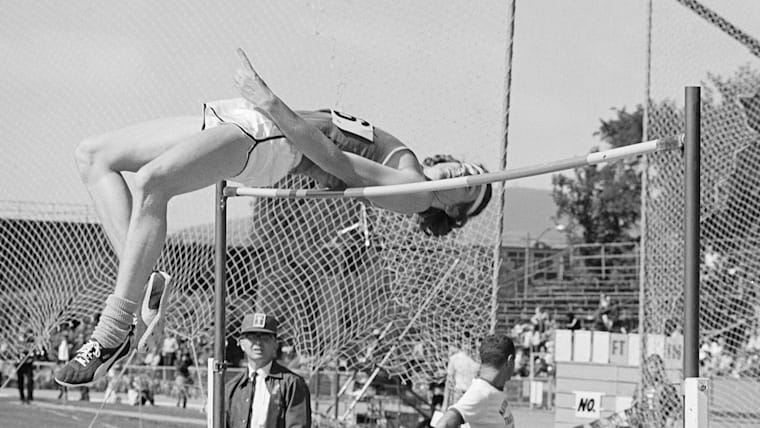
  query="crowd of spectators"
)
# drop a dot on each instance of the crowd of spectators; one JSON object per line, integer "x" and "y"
{"x": 718, "y": 357}
{"x": 534, "y": 340}
{"x": 166, "y": 370}
{"x": 534, "y": 334}
{"x": 725, "y": 354}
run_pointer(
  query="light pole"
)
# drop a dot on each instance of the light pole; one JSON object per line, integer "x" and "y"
{"x": 527, "y": 267}
{"x": 557, "y": 227}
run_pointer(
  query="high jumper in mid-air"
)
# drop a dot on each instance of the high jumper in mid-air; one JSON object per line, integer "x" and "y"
{"x": 255, "y": 140}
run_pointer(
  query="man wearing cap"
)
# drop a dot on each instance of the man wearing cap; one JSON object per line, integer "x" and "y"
{"x": 267, "y": 395}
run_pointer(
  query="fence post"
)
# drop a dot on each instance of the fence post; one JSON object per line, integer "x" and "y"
{"x": 526, "y": 265}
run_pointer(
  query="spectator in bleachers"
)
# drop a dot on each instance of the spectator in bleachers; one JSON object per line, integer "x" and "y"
{"x": 516, "y": 333}
{"x": 25, "y": 366}
{"x": 573, "y": 323}
{"x": 526, "y": 336}
{"x": 169, "y": 350}
{"x": 152, "y": 359}
{"x": 539, "y": 319}
{"x": 62, "y": 357}
{"x": 460, "y": 372}
{"x": 522, "y": 363}
{"x": 624, "y": 322}
{"x": 712, "y": 258}
{"x": 746, "y": 366}
{"x": 524, "y": 314}
{"x": 716, "y": 359}
{"x": 603, "y": 316}
{"x": 540, "y": 367}
{"x": 704, "y": 354}
{"x": 288, "y": 357}
{"x": 549, "y": 359}
{"x": 716, "y": 353}
{"x": 111, "y": 393}
{"x": 182, "y": 378}
{"x": 753, "y": 342}
{"x": 140, "y": 391}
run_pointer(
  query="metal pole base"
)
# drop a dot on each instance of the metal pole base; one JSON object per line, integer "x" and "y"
{"x": 696, "y": 402}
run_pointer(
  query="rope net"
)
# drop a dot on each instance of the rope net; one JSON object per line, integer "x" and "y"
{"x": 333, "y": 271}
{"x": 691, "y": 44}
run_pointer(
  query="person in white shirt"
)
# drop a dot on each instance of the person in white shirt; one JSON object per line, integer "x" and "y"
{"x": 169, "y": 350}
{"x": 484, "y": 404}
{"x": 460, "y": 371}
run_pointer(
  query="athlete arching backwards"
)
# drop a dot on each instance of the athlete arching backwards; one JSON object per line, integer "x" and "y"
{"x": 255, "y": 140}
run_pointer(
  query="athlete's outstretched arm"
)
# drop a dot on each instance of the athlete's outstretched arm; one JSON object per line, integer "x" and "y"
{"x": 353, "y": 170}
{"x": 381, "y": 175}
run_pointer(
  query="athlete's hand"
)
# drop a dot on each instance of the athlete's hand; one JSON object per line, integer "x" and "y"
{"x": 250, "y": 85}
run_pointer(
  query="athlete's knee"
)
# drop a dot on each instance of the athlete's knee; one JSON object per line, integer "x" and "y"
{"x": 84, "y": 156}
{"x": 89, "y": 156}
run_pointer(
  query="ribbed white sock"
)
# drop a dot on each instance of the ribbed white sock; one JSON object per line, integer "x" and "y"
{"x": 115, "y": 321}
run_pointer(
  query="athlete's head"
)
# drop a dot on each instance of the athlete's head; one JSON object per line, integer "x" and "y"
{"x": 454, "y": 206}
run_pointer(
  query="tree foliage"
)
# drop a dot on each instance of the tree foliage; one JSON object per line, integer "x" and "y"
{"x": 602, "y": 203}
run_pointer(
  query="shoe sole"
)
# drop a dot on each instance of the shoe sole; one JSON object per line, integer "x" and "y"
{"x": 140, "y": 325}
{"x": 155, "y": 328}
{"x": 105, "y": 367}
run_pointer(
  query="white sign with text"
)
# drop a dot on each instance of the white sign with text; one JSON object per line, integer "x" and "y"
{"x": 588, "y": 404}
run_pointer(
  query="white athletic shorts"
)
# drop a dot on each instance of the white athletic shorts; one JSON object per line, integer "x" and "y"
{"x": 270, "y": 158}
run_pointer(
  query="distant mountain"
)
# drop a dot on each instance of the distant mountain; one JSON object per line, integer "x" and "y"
{"x": 529, "y": 211}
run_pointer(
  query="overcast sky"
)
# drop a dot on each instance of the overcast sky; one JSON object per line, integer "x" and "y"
{"x": 430, "y": 72}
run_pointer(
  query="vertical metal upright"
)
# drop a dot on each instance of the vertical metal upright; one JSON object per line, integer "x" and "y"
{"x": 220, "y": 297}
{"x": 696, "y": 389}
{"x": 691, "y": 232}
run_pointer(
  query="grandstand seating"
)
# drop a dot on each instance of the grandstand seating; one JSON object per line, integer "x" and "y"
{"x": 568, "y": 280}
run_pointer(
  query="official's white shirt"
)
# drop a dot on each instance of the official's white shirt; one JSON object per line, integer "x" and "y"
{"x": 484, "y": 406}
{"x": 260, "y": 404}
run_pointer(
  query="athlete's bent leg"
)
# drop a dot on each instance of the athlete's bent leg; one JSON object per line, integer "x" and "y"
{"x": 198, "y": 161}
{"x": 102, "y": 159}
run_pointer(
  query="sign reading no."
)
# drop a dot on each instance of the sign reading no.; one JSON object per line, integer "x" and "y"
{"x": 588, "y": 404}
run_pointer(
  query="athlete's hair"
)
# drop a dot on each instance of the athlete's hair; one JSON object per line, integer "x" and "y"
{"x": 435, "y": 221}
{"x": 495, "y": 350}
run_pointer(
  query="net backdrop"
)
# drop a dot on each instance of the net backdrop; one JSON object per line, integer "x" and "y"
{"x": 331, "y": 270}
{"x": 691, "y": 45}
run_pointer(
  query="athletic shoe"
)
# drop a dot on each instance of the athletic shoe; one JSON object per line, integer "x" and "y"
{"x": 150, "y": 323}
{"x": 91, "y": 362}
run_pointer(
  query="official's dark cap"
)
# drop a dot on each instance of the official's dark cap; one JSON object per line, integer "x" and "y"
{"x": 259, "y": 323}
